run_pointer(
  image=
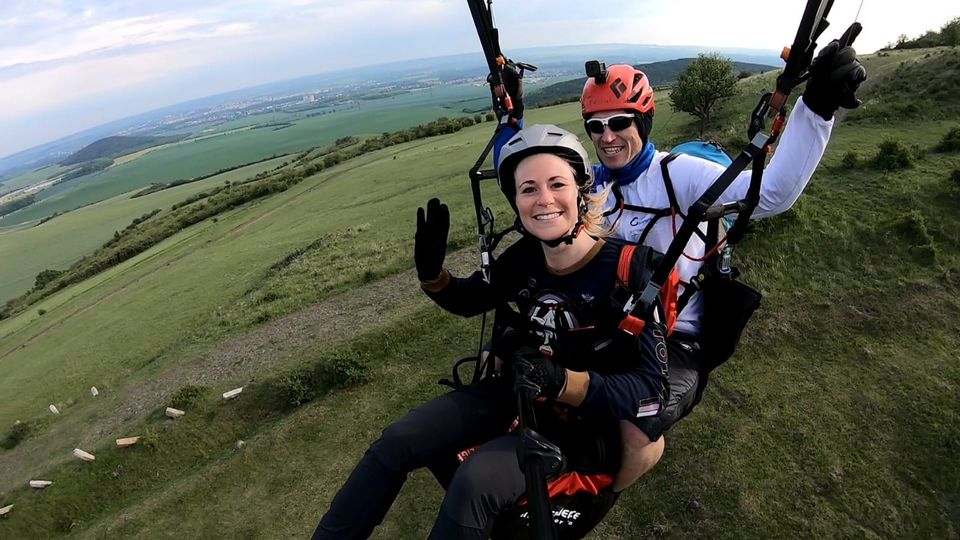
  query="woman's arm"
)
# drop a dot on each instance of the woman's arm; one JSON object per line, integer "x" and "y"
{"x": 639, "y": 391}
{"x": 461, "y": 296}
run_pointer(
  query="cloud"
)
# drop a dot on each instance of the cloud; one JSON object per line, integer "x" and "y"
{"x": 116, "y": 35}
{"x": 66, "y": 84}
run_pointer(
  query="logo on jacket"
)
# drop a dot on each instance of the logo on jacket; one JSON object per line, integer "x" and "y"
{"x": 549, "y": 314}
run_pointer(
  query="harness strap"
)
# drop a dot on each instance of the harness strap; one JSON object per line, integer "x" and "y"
{"x": 666, "y": 315}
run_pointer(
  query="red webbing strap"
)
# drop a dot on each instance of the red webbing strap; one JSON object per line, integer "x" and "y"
{"x": 623, "y": 268}
{"x": 630, "y": 324}
{"x": 572, "y": 483}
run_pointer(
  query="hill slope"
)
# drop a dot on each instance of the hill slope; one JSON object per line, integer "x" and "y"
{"x": 117, "y": 145}
{"x": 837, "y": 418}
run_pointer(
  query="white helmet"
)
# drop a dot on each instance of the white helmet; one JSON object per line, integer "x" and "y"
{"x": 541, "y": 139}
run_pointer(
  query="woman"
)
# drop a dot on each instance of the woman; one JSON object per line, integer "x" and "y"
{"x": 593, "y": 375}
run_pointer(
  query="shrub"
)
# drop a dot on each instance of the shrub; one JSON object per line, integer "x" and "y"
{"x": 955, "y": 180}
{"x": 46, "y": 276}
{"x": 188, "y": 395}
{"x": 850, "y": 160}
{"x": 911, "y": 228}
{"x": 348, "y": 371}
{"x": 41, "y": 312}
{"x": 296, "y": 388}
{"x": 950, "y": 142}
{"x": 893, "y": 155}
{"x": 17, "y": 433}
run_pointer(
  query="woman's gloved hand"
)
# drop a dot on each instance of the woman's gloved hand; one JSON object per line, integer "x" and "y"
{"x": 430, "y": 242}
{"x": 539, "y": 374}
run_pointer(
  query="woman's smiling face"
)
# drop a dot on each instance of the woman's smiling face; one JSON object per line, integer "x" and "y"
{"x": 547, "y": 196}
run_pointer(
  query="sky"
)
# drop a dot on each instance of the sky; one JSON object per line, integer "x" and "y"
{"x": 68, "y": 65}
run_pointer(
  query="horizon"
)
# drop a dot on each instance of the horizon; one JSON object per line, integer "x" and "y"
{"x": 120, "y": 60}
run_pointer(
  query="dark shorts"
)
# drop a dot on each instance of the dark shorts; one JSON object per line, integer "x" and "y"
{"x": 686, "y": 386}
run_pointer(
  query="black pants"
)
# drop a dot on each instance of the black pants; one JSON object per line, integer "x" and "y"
{"x": 489, "y": 481}
{"x": 428, "y": 436}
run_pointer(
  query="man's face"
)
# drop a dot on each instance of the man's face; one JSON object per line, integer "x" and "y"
{"x": 615, "y": 147}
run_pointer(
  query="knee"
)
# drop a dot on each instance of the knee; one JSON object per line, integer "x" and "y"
{"x": 400, "y": 448}
{"x": 482, "y": 487}
{"x": 637, "y": 447}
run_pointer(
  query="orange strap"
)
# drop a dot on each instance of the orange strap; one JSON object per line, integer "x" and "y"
{"x": 573, "y": 482}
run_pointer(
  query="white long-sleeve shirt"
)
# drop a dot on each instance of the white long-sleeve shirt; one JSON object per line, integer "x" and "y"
{"x": 798, "y": 153}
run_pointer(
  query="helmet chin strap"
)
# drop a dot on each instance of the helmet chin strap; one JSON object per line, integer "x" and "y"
{"x": 567, "y": 238}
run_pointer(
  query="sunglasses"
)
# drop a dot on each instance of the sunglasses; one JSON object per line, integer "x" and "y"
{"x": 617, "y": 122}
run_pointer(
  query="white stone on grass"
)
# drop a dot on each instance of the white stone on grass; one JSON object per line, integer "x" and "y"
{"x": 94, "y": 392}
{"x": 127, "y": 441}
{"x": 85, "y": 456}
{"x": 232, "y": 393}
{"x": 53, "y": 408}
{"x": 39, "y": 484}
{"x": 5, "y": 510}
{"x": 174, "y": 413}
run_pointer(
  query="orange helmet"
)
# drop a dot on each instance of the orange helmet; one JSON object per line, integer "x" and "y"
{"x": 615, "y": 88}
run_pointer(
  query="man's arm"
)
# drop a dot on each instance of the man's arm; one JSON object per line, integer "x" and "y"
{"x": 835, "y": 76}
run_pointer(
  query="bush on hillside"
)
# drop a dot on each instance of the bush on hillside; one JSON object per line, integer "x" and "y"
{"x": 348, "y": 371}
{"x": 46, "y": 276}
{"x": 950, "y": 142}
{"x": 911, "y": 228}
{"x": 893, "y": 155}
{"x": 955, "y": 178}
{"x": 850, "y": 160}
{"x": 188, "y": 395}
{"x": 17, "y": 433}
{"x": 303, "y": 385}
{"x": 295, "y": 388}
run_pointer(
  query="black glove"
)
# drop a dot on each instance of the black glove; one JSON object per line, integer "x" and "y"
{"x": 430, "y": 242}
{"x": 835, "y": 75}
{"x": 513, "y": 84}
{"x": 540, "y": 374}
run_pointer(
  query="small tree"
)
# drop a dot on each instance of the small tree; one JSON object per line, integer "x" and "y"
{"x": 702, "y": 85}
{"x": 950, "y": 33}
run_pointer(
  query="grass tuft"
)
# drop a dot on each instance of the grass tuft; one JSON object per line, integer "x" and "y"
{"x": 189, "y": 396}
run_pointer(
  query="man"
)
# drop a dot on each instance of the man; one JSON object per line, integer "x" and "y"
{"x": 618, "y": 109}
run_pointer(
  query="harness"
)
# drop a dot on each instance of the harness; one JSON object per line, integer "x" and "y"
{"x": 716, "y": 273}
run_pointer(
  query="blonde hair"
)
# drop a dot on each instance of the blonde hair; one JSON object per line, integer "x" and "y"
{"x": 594, "y": 222}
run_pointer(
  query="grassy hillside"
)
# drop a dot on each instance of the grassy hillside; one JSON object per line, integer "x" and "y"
{"x": 838, "y": 418}
{"x": 68, "y": 237}
{"x": 117, "y": 145}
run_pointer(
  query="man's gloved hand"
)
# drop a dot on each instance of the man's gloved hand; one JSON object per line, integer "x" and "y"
{"x": 835, "y": 75}
{"x": 540, "y": 374}
{"x": 430, "y": 242}
{"x": 513, "y": 84}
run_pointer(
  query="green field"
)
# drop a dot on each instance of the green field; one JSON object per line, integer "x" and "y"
{"x": 230, "y": 146}
{"x": 837, "y": 419}
{"x": 68, "y": 237}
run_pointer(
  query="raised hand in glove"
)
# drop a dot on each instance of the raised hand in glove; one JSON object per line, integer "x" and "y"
{"x": 835, "y": 75}
{"x": 430, "y": 242}
{"x": 539, "y": 374}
